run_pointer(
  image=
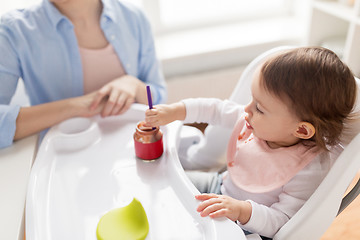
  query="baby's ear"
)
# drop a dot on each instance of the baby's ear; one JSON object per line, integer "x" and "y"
{"x": 305, "y": 130}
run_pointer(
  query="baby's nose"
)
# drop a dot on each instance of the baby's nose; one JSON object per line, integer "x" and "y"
{"x": 247, "y": 109}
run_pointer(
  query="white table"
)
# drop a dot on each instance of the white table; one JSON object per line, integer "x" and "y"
{"x": 86, "y": 167}
{"x": 15, "y": 166}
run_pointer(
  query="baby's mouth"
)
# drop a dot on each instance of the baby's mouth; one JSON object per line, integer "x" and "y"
{"x": 248, "y": 125}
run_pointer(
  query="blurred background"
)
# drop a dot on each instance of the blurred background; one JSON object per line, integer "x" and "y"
{"x": 204, "y": 46}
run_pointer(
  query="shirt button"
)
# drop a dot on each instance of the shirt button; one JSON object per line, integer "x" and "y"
{"x": 128, "y": 65}
{"x": 112, "y": 37}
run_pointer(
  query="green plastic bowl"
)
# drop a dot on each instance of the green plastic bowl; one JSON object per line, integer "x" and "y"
{"x": 126, "y": 223}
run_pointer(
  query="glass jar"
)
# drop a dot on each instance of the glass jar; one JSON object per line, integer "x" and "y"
{"x": 148, "y": 142}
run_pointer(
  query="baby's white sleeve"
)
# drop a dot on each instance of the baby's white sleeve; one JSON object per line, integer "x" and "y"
{"x": 266, "y": 221}
{"x": 213, "y": 111}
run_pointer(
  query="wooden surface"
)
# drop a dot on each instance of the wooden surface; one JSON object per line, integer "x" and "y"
{"x": 346, "y": 226}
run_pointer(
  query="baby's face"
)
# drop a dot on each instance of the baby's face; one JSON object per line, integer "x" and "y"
{"x": 269, "y": 117}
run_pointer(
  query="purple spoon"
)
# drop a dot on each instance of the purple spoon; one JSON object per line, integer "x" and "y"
{"x": 149, "y": 97}
{"x": 149, "y": 100}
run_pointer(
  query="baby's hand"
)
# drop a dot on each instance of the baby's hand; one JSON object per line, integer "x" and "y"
{"x": 215, "y": 206}
{"x": 163, "y": 114}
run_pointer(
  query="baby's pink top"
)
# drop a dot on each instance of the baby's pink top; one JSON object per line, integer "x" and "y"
{"x": 100, "y": 66}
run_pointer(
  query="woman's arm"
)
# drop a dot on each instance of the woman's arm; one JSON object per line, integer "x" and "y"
{"x": 34, "y": 119}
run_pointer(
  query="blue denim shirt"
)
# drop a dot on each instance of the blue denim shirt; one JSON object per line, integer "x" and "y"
{"x": 38, "y": 44}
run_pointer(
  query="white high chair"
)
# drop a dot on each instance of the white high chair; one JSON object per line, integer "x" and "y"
{"x": 312, "y": 220}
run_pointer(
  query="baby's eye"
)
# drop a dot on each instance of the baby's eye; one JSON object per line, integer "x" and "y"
{"x": 258, "y": 110}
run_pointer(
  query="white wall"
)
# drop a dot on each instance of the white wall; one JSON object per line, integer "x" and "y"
{"x": 193, "y": 53}
{"x": 6, "y": 5}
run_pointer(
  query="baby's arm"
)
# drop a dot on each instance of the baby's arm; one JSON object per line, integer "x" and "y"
{"x": 215, "y": 206}
{"x": 164, "y": 113}
{"x": 208, "y": 110}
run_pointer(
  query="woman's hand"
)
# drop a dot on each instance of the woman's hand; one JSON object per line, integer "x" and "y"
{"x": 119, "y": 94}
{"x": 83, "y": 105}
{"x": 215, "y": 206}
{"x": 163, "y": 114}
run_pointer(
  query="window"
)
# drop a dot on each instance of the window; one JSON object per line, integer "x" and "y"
{"x": 185, "y": 29}
{"x": 6, "y": 6}
{"x": 174, "y": 15}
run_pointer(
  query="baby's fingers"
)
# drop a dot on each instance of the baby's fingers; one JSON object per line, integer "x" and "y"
{"x": 151, "y": 112}
{"x": 219, "y": 213}
{"x": 206, "y": 196}
{"x": 151, "y": 118}
{"x": 151, "y": 124}
{"x": 212, "y": 209}
{"x": 205, "y": 204}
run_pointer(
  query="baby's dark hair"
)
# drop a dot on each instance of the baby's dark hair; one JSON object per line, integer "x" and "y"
{"x": 317, "y": 86}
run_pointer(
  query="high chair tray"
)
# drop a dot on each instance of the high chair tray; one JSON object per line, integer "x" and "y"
{"x": 87, "y": 167}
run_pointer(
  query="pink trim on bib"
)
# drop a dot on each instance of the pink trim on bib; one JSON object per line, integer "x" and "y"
{"x": 255, "y": 167}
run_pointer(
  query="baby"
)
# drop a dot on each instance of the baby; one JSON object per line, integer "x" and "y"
{"x": 277, "y": 153}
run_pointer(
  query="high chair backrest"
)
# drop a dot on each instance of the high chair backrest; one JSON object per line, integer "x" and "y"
{"x": 312, "y": 220}
{"x": 317, "y": 214}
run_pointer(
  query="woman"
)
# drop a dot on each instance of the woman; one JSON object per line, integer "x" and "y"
{"x": 77, "y": 58}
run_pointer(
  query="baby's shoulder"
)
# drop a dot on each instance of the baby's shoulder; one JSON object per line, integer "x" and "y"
{"x": 320, "y": 165}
